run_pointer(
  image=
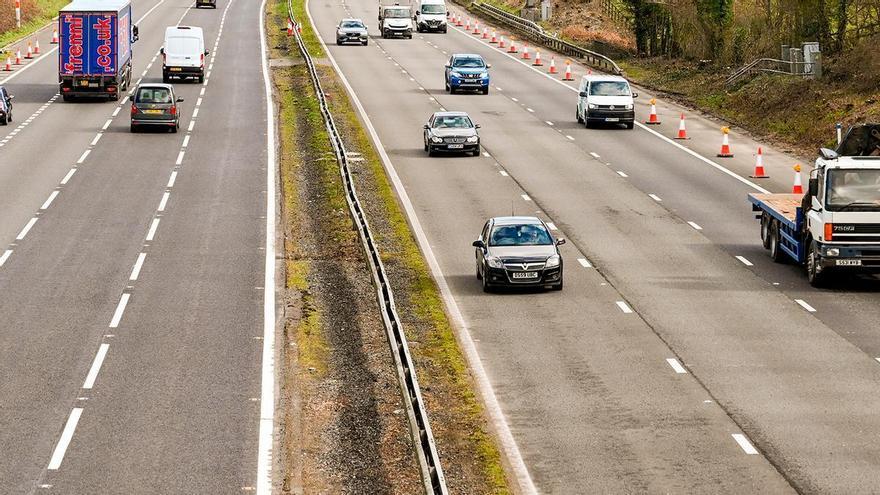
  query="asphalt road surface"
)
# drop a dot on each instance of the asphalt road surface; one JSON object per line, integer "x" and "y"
{"x": 132, "y": 275}
{"x": 678, "y": 358}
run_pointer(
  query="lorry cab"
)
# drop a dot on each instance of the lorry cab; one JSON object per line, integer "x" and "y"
{"x": 431, "y": 16}
{"x": 605, "y": 99}
{"x": 183, "y": 53}
{"x": 396, "y": 20}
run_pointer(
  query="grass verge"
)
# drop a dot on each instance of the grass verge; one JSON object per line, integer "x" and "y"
{"x": 35, "y": 14}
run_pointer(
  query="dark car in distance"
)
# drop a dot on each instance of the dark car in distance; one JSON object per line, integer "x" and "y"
{"x": 208, "y": 3}
{"x": 451, "y": 131}
{"x": 5, "y": 106}
{"x": 352, "y": 31}
{"x": 155, "y": 105}
{"x": 518, "y": 252}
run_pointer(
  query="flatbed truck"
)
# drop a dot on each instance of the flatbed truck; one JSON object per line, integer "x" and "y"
{"x": 835, "y": 226}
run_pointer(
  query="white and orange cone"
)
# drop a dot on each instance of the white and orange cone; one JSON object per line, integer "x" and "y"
{"x": 289, "y": 27}
{"x": 18, "y": 56}
{"x": 759, "y": 166}
{"x": 525, "y": 54}
{"x": 538, "y": 58}
{"x": 55, "y": 36}
{"x": 653, "y": 119}
{"x": 476, "y": 28}
{"x": 485, "y": 33}
{"x": 567, "y": 76}
{"x": 725, "y": 144}
{"x": 36, "y": 47}
{"x": 552, "y": 69}
{"x": 30, "y": 51}
{"x": 467, "y": 26}
{"x": 459, "y": 22}
{"x": 8, "y": 66}
{"x": 512, "y": 48}
{"x": 798, "y": 186}
{"x": 494, "y": 37}
{"x": 501, "y": 43}
{"x": 682, "y": 130}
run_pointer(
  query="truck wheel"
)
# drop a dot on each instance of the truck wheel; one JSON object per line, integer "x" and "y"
{"x": 765, "y": 231}
{"x": 815, "y": 275}
{"x": 776, "y": 253}
{"x": 577, "y": 115}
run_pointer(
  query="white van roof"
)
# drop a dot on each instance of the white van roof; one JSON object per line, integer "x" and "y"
{"x": 193, "y": 31}
{"x": 603, "y": 77}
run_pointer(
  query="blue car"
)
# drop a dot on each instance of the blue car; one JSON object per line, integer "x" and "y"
{"x": 467, "y": 71}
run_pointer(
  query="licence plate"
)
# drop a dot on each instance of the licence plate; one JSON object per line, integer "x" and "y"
{"x": 612, "y": 119}
{"x": 524, "y": 275}
{"x": 848, "y": 262}
{"x": 84, "y": 83}
{"x": 176, "y": 69}
{"x": 153, "y": 111}
{"x": 456, "y": 146}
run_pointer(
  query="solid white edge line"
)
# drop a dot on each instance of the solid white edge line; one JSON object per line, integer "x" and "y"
{"x": 267, "y": 372}
{"x": 66, "y": 437}
{"x": 5, "y": 256}
{"x": 804, "y": 305}
{"x": 152, "y": 232}
{"x": 624, "y": 307}
{"x": 676, "y": 366}
{"x": 493, "y": 408}
{"x": 26, "y": 229}
{"x": 49, "y": 200}
{"x": 120, "y": 310}
{"x": 96, "y": 366}
{"x": 136, "y": 269}
{"x": 744, "y": 261}
{"x": 744, "y": 443}
{"x": 584, "y": 263}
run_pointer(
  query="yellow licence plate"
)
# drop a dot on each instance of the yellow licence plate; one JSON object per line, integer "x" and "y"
{"x": 84, "y": 83}
{"x": 153, "y": 111}
{"x": 176, "y": 69}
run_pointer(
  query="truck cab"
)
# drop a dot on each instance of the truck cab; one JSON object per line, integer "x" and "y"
{"x": 835, "y": 226}
{"x": 396, "y": 20}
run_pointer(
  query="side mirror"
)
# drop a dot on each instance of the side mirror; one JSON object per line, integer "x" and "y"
{"x": 476, "y": 126}
{"x": 447, "y": 13}
{"x": 635, "y": 95}
{"x": 488, "y": 66}
{"x": 415, "y": 17}
{"x": 425, "y": 126}
{"x": 560, "y": 241}
{"x": 179, "y": 100}
{"x": 582, "y": 94}
{"x": 814, "y": 187}
{"x": 448, "y": 66}
{"x": 206, "y": 52}
{"x": 478, "y": 244}
{"x": 10, "y": 97}
{"x": 162, "y": 50}
{"x": 828, "y": 154}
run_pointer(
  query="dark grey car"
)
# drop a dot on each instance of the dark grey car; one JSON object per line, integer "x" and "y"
{"x": 352, "y": 31}
{"x": 155, "y": 105}
{"x": 5, "y": 106}
{"x": 518, "y": 252}
{"x": 451, "y": 131}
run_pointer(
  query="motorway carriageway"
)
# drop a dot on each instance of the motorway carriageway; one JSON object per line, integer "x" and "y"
{"x": 132, "y": 274}
{"x": 678, "y": 358}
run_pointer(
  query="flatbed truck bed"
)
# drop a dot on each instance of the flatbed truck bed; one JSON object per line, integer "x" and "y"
{"x": 786, "y": 210}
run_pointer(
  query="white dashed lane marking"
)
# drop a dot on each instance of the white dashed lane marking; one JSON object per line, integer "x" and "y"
{"x": 655, "y": 197}
{"x": 676, "y": 365}
{"x": 96, "y": 367}
{"x": 622, "y": 173}
{"x": 584, "y": 263}
{"x": 66, "y": 437}
{"x": 744, "y": 443}
{"x": 120, "y": 310}
{"x": 744, "y": 261}
{"x": 804, "y": 305}
{"x": 695, "y": 226}
{"x": 624, "y": 307}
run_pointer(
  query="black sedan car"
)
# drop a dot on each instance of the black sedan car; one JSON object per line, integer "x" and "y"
{"x": 518, "y": 252}
{"x": 451, "y": 131}
{"x": 155, "y": 105}
{"x": 352, "y": 31}
{"x": 5, "y": 106}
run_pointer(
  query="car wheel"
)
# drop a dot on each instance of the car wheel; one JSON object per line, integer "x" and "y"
{"x": 486, "y": 287}
{"x": 486, "y": 90}
{"x": 559, "y": 285}
{"x": 134, "y": 128}
{"x": 366, "y": 42}
{"x": 5, "y": 120}
{"x": 174, "y": 129}
{"x": 577, "y": 115}
{"x": 426, "y": 146}
{"x": 587, "y": 123}
{"x": 630, "y": 125}
{"x": 447, "y": 88}
{"x": 431, "y": 151}
{"x": 477, "y": 151}
{"x": 65, "y": 97}
{"x": 479, "y": 275}
{"x": 444, "y": 30}
{"x": 338, "y": 43}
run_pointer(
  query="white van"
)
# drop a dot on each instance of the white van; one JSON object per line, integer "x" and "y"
{"x": 605, "y": 99}
{"x": 431, "y": 15}
{"x": 183, "y": 54}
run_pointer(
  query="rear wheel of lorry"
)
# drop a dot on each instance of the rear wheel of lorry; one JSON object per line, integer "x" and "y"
{"x": 765, "y": 230}
{"x": 776, "y": 253}
{"x": 815, "y": 275}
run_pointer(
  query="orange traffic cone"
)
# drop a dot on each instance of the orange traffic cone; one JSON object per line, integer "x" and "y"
{"x": 30, "y": 51}
{"x": 501, "y": 43}
{"x": 36, "y": 47}
{"x": 552, "y": 69}
{"x": 567, "y": 76}
{"x": 798, "y": 187}
{"x": 18, "y": 56}
{"x": 759, "y": 166}
{"x": 725, "y": 144}
{"x": 525, "y": 54}
{"x": 538, "y": 58}
{"x": 494, "y": 37}
{"x": 289, "y": 27}
{"x": 55, "y": 36}
{"x": 485, "y": 33}
{"x": 467, "y": 26}
{"x": 682, "y": 131}
{"x": 459, "y": 22}
{"x": 512, "y": 46}
{"x": 653, "y": 119}
{"x": 8, "y": 64}
{"x": 476, "y": 28}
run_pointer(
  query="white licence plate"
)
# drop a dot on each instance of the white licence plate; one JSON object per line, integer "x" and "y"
{"x": 524, "y": 275}
{"x": 456, "y": 146}
{"x": 848, "y": 262}
{"x": 612, "y": 119}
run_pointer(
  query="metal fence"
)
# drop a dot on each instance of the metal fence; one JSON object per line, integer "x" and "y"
{"x": 420, "y": 429}
{"x": 536, "y": 34}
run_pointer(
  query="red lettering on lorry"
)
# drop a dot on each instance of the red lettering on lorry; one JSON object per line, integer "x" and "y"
{"x": 75, "y": 41}
{"x": 104, "y": 29}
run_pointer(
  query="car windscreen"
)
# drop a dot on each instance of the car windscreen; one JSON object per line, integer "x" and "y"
{"x": 397, "y": 13}
{"x": 853, "y": 190}
{"x": 433, "y": 9}
{"x": 609, "y": 88}
{"x": 453, "y": 122}
{"x": 182, "y": 46}
{"x": 153, "y": 95}
{"x": 520, "y": 235}
{"x": 352, "y": 25}
{"x": 468, "y": 63}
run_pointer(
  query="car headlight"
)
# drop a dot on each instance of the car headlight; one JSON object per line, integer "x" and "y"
{"x": 473, "y": 139}
{"x": 832, "y": 252}
{"x": 552, "y": 261}
{"x": 592, "y": 106}
{"x": 435, "y": 139}
{"x": 628, "y": 106}
{"x": 494, "y": 262}
{"x": 455, "y": 74}
{"x": 484, "y": 75}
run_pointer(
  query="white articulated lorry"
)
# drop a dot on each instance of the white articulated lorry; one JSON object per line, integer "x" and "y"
{"x": 396, "y": 20}
{"x": 835, "y": 226}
